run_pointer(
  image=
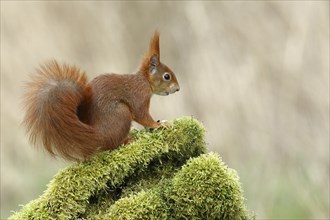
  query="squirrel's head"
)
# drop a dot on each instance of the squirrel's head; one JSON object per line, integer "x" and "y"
{"x": 161, "y": 78}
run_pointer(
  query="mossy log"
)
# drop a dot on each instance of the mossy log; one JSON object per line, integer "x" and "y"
{"x": 163, "y": 174}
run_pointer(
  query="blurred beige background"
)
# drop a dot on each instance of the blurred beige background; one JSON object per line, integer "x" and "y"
{"x": 255, "y": 73}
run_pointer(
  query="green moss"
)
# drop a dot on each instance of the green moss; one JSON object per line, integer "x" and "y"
{"x": 164, "y": 174}
{"x": 206, "y": 189}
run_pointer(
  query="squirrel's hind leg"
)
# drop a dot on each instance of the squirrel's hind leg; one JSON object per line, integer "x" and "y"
{"x": 116, "y": 125}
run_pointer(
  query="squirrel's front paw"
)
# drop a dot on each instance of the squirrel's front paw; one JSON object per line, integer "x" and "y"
{"x": 164, "y": 123}
{"x": 160, "y": 124}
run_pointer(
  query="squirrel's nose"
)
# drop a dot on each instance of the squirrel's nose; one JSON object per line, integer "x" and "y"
{"x": 174, "y": 88}
{"x": 177, "y": 88}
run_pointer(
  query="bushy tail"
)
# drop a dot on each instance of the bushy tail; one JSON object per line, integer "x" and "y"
{"x": 51, "y": 118}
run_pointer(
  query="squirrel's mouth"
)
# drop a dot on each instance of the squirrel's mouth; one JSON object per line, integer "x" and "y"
{"x": 171, "y": 90}
{"x": 163, "y": 93}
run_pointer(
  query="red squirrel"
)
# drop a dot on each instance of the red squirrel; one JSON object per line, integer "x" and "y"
{"x": 75, "y": 119}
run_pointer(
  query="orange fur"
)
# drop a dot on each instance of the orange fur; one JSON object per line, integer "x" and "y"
{"x": 153, "y": 49}
{"x": 74, "y": 119}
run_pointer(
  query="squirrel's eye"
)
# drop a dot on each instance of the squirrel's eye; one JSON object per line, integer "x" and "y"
{"x": 167, "y": 76}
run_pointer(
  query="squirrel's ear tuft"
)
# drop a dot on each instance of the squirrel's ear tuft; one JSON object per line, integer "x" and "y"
{"x": 154, "y": 45}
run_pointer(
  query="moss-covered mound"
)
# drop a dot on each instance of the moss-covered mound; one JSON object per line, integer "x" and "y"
{"x": 164, "y": 174}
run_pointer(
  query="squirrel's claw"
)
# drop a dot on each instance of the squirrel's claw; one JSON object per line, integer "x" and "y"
{"x": 162, "y": 124}
{"x": 165, "y": 123}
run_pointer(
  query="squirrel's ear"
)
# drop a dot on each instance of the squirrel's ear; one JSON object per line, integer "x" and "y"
{"x": 152, "y": 58}
{"x": 153, "y": 63}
